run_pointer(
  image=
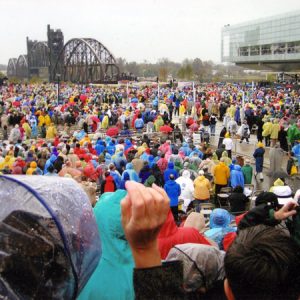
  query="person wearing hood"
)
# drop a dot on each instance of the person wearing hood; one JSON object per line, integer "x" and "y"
{"x": 91, "y": 149}
{"x": 27, "y": 129}
{"x": 186, "y": 187}
{"x": 141, "y": 149}
{"x": 123, "y": 181}
{"x": 51, "y": 132}
{"x": 115, "y": 175}
{"x": 108, "y": 184}
{"x": 49, "y": 162}
{"x": 171, "y": 235}
{"x": 219, "y": 223}
{"x": 100, "y": 147}
{"x": 139, "y": 123}
{"x": 158, "y": 123}
{"x": 132, "y": 173}
{"x": 145, "y": 155}
{"x": 7, "y": 162}
{"x": 221, "y": 174}
{"x": 259, "y": 159}
{"x": 274, "y": 131}
{"x": 247, "y": 172}
{"x": 15, "y": 134}
{"x": 282, "y": 191}
{"x": 244, "y": 132}
{"x": 227, "y": 160}
{"x": 105, "y": 122}
{"x": 32, "y": 168}
{"x": 186, "y": 149}
{"x": 170, "y": 170}
{"x": 173, "y": 191}
{"x": 296, "y": 151}
{"x": 267, "y": 131}
{"x": 111, "y": 148}
{"x": 203, "y": 271}
{"x": 145, "y": 172}
{"x": 228, "y": 144}
{"x": 202, "y": 189}
{"x": 237, "y": 177}
{"x": 113, "y": 277}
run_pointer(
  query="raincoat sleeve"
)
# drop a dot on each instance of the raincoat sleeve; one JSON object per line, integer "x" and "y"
{"x": 261, "y": 214}
{"x": 162, "y": 282}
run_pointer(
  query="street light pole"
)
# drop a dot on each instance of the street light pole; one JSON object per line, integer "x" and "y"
{"x": 58, "y": 80}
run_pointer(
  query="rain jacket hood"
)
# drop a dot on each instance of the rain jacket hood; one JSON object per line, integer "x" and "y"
{"x": 113, "y": 277}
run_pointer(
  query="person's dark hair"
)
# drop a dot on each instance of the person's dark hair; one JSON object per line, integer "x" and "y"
{"x": 267, "y": 198}
{"x": 107, "y": 173}
{"x": 263, "y": 263}
{"x": 238, "y": 189}
{"x": 50, "y": 169}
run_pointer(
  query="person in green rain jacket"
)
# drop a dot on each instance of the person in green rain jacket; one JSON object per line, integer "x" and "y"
{"x": 113, "y": 277}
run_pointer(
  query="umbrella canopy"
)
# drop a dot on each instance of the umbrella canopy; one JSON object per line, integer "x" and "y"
{"x": 166, "y": 129}
{"x": 112, "y": 131}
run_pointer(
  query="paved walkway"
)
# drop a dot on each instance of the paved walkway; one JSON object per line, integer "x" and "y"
{"x": 247, "y": 150}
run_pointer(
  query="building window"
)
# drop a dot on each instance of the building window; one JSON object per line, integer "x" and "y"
{"x": 244, "y": 51}
{"x": 279, "y": 48}
{"x": 254, "y": 50}
{"x": 293, "y": 47}
{"x": 266, "y": 50}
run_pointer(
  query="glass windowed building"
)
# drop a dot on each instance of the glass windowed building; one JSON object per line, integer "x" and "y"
{"x": 267, "y": 44}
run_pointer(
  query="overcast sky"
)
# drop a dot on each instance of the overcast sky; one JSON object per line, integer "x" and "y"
{"x": 134, "y": 29}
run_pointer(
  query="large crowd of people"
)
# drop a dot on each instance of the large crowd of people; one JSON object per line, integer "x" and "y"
{"x": 185, "y": 199}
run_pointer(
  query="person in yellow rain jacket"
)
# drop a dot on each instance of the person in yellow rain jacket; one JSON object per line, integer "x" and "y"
{"x": 41, "y": 120}
{"x": 105, "y": 122}
{"x": 86, "y": 139}
{"x": 274, "y": 131}
{"x": 181, "y": 110}
{"x": 47, "y": 120}
{"x": 267, "y": 132}
{"x": 32, "y": 168}
{"x": 158, "y": 123}
{"x": 231, "y": 110}
{"x": 51, "y": 132}
{"x": 27, "y": 130}
{"x": 7, "y": 162}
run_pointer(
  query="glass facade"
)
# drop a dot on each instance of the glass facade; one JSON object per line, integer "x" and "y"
{"x": 274, "y": 39}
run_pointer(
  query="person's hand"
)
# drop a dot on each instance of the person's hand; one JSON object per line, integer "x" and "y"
{"x": 286, "y": 211}
{"x": 144, "y": 211}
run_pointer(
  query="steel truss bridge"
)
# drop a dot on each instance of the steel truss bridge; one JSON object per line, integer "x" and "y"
{"x": 80, "y": 60}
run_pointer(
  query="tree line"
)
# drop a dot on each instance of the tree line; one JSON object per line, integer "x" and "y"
{"x": 188, "y": 69}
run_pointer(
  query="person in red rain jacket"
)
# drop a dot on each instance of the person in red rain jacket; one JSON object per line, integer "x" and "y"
{"x": 108, "y": 184}
{"x": 91, "y": 149}
{"x": 171, "y": 235}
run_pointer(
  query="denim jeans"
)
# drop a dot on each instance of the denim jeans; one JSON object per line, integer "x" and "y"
{"x": 212, "y": 129}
